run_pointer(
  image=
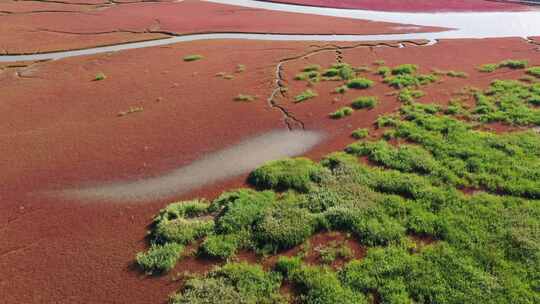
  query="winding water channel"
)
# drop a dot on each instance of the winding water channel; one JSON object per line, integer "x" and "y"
{"x": 462, "y": 25}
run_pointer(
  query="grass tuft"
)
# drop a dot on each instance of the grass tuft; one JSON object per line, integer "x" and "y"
{"x": 159, "y": 258}
{"x": 306, "y": 95}
{"x": 360, "y": 133}
{"x": 193, "y": 57}
{"x": 341, "y": 112}
{"x": 360, "y": 83}
{"x": 100, "y": 76}
{"x": 365, "y": 102}
{"x": 534, "y": 71}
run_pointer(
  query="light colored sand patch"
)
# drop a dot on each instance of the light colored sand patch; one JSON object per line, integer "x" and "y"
{"x": 229, "y": 162}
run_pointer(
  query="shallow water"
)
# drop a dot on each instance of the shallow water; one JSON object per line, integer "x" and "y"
{"x": 467, "y": 24}
{"x": 463, "y": 25}
{"x": 238, "y": 159}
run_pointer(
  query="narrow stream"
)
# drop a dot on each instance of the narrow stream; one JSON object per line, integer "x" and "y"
{"x": 463, "y": 25}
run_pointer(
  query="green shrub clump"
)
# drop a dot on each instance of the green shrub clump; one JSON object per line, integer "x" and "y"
{"x": 221, "y": 246}
{"x": 307, "y": 94}
{"x": 193, "y": 57}
{"x": 341, "y": 89}
{"x": 341, "y": 112}
{"x": 510, "y": 63}
{"x": 360, "y": 83}
{"x": 231, "y": 284}
{"x": 317, "y": 284}
{"x": 283, "y": 227}
{"x": 360, "y": 133}
{"x": 365, "y": 102}
{"x": 409, "y": 96}
{"x": 294, "y": 173}
{"x": 409, "y": 80}
{"x": 311, "y": 76}
{"x": 408, "y": 69}
{"x": 507, "y": 101}
{"x": 514, "y": 64}
{"x": 331, "y": 72}
{"x": 384, "y": 71}
{"x": 100, "y": 76}
{"x": 534, "y": 71}
{"x": 488, "y": 67}
{"x": 159, "y": 258}
{"x": 179, "y": 223}
{"x": 239, "y": 209}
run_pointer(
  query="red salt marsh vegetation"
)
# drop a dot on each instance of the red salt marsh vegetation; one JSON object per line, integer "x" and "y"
{"x": 61, "y": 129}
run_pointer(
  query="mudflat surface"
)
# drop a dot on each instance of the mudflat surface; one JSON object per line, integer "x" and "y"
{"x": 413, "y": 5}
{"x": 61, "y": 129}
{"x": 40, "y": 28}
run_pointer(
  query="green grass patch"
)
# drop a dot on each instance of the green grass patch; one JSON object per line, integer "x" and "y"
{"x": 341, "y": 89}
{"x": 405, "y": 69}
{"x": 294, "y": 173}
{"x": 232, "y": 283}
{"x": 365, "y": 102}
{"x": 507, "y": 101}
{"x": 514, "y": 64}
{"x": 408, "y": 96}
{"x": 488, "y": 67}
{"x": 306, "y": 95}
{"x": 408, "y": 80}
{"x": 360, "y": 83}
{"x": 534, "y": 71}
{"x": 100, "y": 76}
{"x": 360, "y": 133}
{"x": 221, "y": 246}
{"x": 193, "y": 57}
{"x": 384, "y": 71}
{"x": 341, "y": 112}
{"x": 159, "y": 258}
{"x": 510, "y": 63}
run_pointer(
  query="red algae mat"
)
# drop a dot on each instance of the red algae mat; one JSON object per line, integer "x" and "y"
{"x": 413, "y": 5}
{"x": 97, "y": 26}
{"x": 61, "y": 129}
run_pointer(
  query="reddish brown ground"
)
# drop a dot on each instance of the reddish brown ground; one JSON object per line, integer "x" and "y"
{"x": 414, "y": 5}
{"x": 95, "y": 26}
{"x": 60, "y": 129}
